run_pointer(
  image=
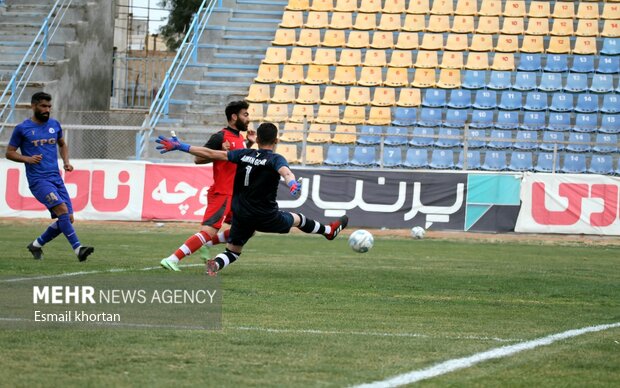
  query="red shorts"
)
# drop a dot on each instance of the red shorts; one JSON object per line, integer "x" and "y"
{"x": 218, "y": 210}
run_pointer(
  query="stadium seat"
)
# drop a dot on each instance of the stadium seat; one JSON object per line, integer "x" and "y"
{"x": 514, "y": 8}
{"x": 350, "y": 57}
{"x": 325, "y": 57}
{"x": 407, "y": 97}
{"x": 341, "y": 21}
{"x": 539, "y": 26}
{"x": 283, "y": 94}
{"x": 409, "y": 41}
{"x": 430, "y": 117}
{"x": 611, "y": 46}
{"x": 525, "y": 81}
{"x": 576, "y": 82}
{"x": 379, "y": 116}
{"x": 405, "y": 116}
{"x": 587, "y": 27}
{"x": 610, "y": 123}
{"x": 562, "y": 27}
{"x": 466, "y": 7}
{"x": 451, "y": 60}
{"x": 422, "y": 137}
{"x": 460, "y": 99}
{"x": 289, "y": 151}
{"x": 463, "y": 25}
{"x": 275, "y": 56}
{"x": 561, "y": 102}
{"x": 432, "y": 41}
{"x": 365, "y": 21}
{"x": 535, "y": 101}
{"x": 375, "y": 58}
{"x": 314, "y": 154}
{"x": 582, "y": 64}
{"x": 300, "y": 56}
{"x": 364, "y": 156}
{"x": 480, "y": 42}
{"x": 500, "y": 80}
{"x": 369, "y": 135}
{"x": 292, "y": 74}
{"x": 322, "y": 5}
{"x": 606, "y": 143}
{"x": 334, "y": 38}
{"x": 392, "y": 157}
{"x": 416, "y": 157}
{"x": 530, "y": 62}
{"x": 481, "y": 119}
{"x": 559, "y": 44}
{"x": 610, "y": 10}
{"x": 424, "y": 78}
{"x": 574, "y": 163}
{"x": 298, "y": 5}
{"x": 485, "y": 99}
{"x": 337, "y": 155}
{"x": 601, "y": 164}
{"x": 552, "y": 141}
{"x": 545, "y": 162}
{"x": 317, "y": 20}
{"x": 354, "y": 115}
{"x": 344, "y": 75}
{"x": 500, "y": 139}
{"x": 292, "y": 132}
{"x": 507, "y": 120}
{"x": 334, "y": 95}
{"x": 284, "y": 37}
{"x": 503, "y": 61}
{"x": 510, "y": 100}
{"x": 370, "y": 6}
{"x": 426, "y": 59}
{"x": 513, "y": 26}
{"x": 358, "y": 39}
{"x": 490, "y": 8}
{"x": 520, "y": 161}
{"x": 384, "y": 97}
{"x": 389, "y": 22}
{"x": 611, "y": 29}
{"x": 586, "y": 103}
{"x": 371, "y": 76}
{"x": 585, "y": 45}
{"x": 258, "y": 93}
{"x": 475, "y": 138}
{"x": 434, "y": 98}
{"x": 488, "y": 25}
{"x": 585, "y": 122}
{"x": 319, "y": 133}
{"x": 455, "y": 118}
{"x": 346, "y": 5}
{"x": 344, "y": 134}
{"x": 268, "y": 74}
{"x": 611, "y": 103}
{"x": 550, "y": 82}
{"x": 477, "y": 61}
{"x": 414, "y": 23}
{"x": 442, "y": 8}
{"x": 533, "y": 121}
{"x": 608, "y": 65}
{"x": 396, "y": 136}
{"x": 457, "y": 43}
{"x": 401, "y": 58}
{"x": 396, "y": 77}
{"x": 317, "y": 75}
{"x": 563, "y": 9}
{"x": 473, "y": 160}
{"x": 559, "y": 121}
{"x": 578, "y": 142}
{"x": 532, "y": 44}
{"x": 448, "y": 138}
{"x": 556, "y": 63}
{"x": 449, "y": 79}
{"x": 602, "y": 83}
{"x": 438, "y": 23}
{"x": 308, "y": 94}
{"x": 442, "y": 159}
{"x": 302, "y": 113}
{"x": 525, "y": 140}
{"x": 359, "y": 96}
{"x": 587, "y": 10}
{"x": 256, "y": 112}
{"x": 276, "y": 113}
{"x": 507, "y": 44}
{"x": 327, "y": 114}
{"x": 474, "y": 79}
{"x": 494, "y": 161}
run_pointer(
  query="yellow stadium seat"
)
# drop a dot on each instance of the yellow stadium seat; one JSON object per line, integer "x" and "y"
{"x": 512, "y": 26}
{"x": 275, "y": 55}
{"x": 341, "y": 21}
{"x": 319, "y": 133}
{"x": 346, "y": 6}
{"x": 289, "y": 152}
{"x": 442, "y": 7}
{"x": 394, "y": 6}
{"x": 370, "y": 6}
{"x": 477, "y": 61}
{"x": 292, "y": 19}
{"x": 438, "y": 23}
{"x": 587, "y": 10}
{"x": 284, "y": 37}
{"x": 358, "y": 96}
{"x": 449, "y": 79}
{"x": 466, "y": 7}
{"x": 334, "y": 95}
{"x": 426, "y": 59}
{"x": 283, "y": 94}
{"x": 256, "y": 112}
{"x": 389, "y": 22}
{"x": 514, "y": 8}
{"x": 354, "y": 115}
{"x": 371, "y": 76}
{"x": 457, "y": 42}
{"x": 276, "y": 113}
{"x": 308, "y": 94}
{"x": 507, "y": 44}
{"x": 268, "y": 74}
{"x": 401, "y": 58}
{"x": 540, "y": 26}
{"x": 344, "y": 134}
{"x": 309, "y": 37}
{"x": 292, "y": 132}
{"x": 292, "y": 74}
{"x": 317, "y": 75}
{"x": 345, "y": 75}
{"x": 424, "y": 78}
{"x": 503, "y": 62}
{"x": 365, "y": 21}
{"x": 258, "y": 93}
{"x": 379, "y": 116}
{"x": 328, "y": 114}
{"x": 432, "y": 42}
{"x": 488, "y": 25}
{"x": 317, "y": 20}
{"x": 382, "y": 40}
{"x": 407, "y": 41}
{"x": 325, "y": 56}
{"x": 559, "y": 45}
{"x": 350, "y": 57}
{"x": 358, "y": 39}
{"x": 452, "y": 60}
{"x": 585, "y": 45}
{"x": 481, "y": 43}
{"x": 611, "y": 11}
{"x": 300, "y": 56}
{"x": 418, "y": 7}
{"x": 322, "y": 5}
{"x": 409, "y": 97}
{"x": 396, "y": 77}
{"x": 302, "y": 113}
{"x": 463, "y": 24}
{"x": 298, "y": 5}
{"x": 587, "y": 27}
{"x": 539, "y": 9}
{"x": 313, "y": 155}
{"x": 532, "y": 44}
{"x": 562, "y": 27}
{"x": 490, "y": 8}
{"x": 375, "y": 58}
{"x": 414, "y": 23}
{"x": 384, "y": 97}
{"x": 334, "y": 38}
{"x": 611, "y": 28}
{"x": 564, "y": 9}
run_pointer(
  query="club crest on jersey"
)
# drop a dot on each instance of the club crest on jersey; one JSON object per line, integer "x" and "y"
{"x": 51, "y": 130}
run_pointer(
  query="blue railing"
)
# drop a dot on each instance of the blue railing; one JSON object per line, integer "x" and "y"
{"x": 186, "y": 52}
{"x": 26, "y": 68}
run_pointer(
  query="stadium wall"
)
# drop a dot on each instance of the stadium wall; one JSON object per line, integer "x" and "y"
{"x": 460, "y": 201}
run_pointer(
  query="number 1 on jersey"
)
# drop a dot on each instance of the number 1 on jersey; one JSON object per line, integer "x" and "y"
{"x": 246, "y": 181}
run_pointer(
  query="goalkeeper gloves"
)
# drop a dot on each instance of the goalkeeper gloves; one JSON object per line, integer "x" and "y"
{"x": 294, "y": 187}
{"x": 171, "y": 144}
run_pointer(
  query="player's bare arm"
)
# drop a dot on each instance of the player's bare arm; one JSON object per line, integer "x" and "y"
{"x": 174, "y": 144}
{"x": 12, "y": 154}
{"x": 287, "y": 174}
{"x": 63, "y": 148}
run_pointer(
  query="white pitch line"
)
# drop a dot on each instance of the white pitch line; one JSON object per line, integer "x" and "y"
{"x": 466, "y": 362}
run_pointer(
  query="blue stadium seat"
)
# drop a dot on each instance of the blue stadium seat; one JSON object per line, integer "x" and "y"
{"x": 608, "y": 65}
{"x": 475, "y": 138}
{"x": 442, "y": 159}
{"x": 535, "y": 101}
{"x": 556, "y": 63}
{"x": 529, "y": 62}
{"x": 525, "y": 81}
{"x": 605, "y": 143}
{"x": 521, "y": 161}
{"x": 448, "y": 138}
{"x": 511, "y": 100}
{"x": 550, "y": 82}
{"x": 585, "y": 122}
{"x": 474, "y": 79}
{"x": 544, "y": 162}
{"x": 434, "y": 98}
{"x": 416, "y": 158}
{"x": 526, "y": 140}
{"x": 455, "y": 118}
{"x": 578, "y": 142}
{"x": 610, "y": 124}
{"x": 473, "y": 160}
{"x": 576, "y": 82}
{"x": 583, "y": 64}
{"x": 500, "y": 139}
{"x": 392, "y": 157}
{"x": 611, "y": 103}
{"x": 611, "y": 46}
{"x": 422, "y": 137}
{"x": 559, "y": 121}
{"x": 586, "y": 103}
{"x": 364, "y": 156}
{"x": 369, "y": 135}
{"x": 574, "y": 163}
{"x": 337, "y": 155}
{"x": 601, "y": 164}
{"x": 602, "y": 83}
{"x": 494, "y": 161}
{"x": 430, "y": 117}
{"x": 533, "y": 121}
{"x": 507, "y": 120}
{"x": 396, "y": 136}
{"x": 552, "y": 140}
{"x": 481, "y": 119}
{"x": 485, "y": 99}
{"x": 405, "y": 116}
{"x": 561, "y": 102}
{"x": 460, "y": 99}
{"x": 500, "y": 80}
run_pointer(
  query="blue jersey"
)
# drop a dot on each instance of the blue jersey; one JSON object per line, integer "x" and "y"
{"x": 38, "y": 139}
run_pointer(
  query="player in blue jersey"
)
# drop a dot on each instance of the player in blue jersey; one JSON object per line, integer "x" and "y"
{"x": 39, "y": 139}
{"x": 254, "y": 194}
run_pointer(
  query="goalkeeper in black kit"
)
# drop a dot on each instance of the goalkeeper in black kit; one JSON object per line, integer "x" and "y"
{"x": 254, "y": 194}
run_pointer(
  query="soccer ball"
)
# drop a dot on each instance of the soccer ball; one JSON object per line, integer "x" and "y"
{"x": 361, "y": 241}
{"x": 418, "y": 232}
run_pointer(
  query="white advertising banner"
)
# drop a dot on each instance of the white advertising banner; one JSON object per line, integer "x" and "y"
{"x": 569, "y": 204}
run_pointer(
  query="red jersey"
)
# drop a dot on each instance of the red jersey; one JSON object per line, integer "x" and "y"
{"x": 224, "y": 171}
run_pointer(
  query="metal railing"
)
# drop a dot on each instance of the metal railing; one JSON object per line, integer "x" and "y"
{"x": 186, "y": 52}
{"x": 36, "y": 52}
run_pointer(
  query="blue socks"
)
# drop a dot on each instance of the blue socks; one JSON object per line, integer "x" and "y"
{"x": 50, "y": 233}
{"x": 65, "y": 226}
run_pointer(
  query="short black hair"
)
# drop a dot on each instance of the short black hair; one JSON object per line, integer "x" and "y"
{"x": 234, "y": 108}
{"x": 40, "y": 96}
{"x": 266, "y": 134}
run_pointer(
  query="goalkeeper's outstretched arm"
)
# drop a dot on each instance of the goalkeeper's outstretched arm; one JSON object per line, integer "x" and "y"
{"x": 174, "y": 144}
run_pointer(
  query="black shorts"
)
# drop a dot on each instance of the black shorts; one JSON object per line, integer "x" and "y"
{"x": 243, "y": 228}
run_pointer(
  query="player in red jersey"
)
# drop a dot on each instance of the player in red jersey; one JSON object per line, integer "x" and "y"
{"x": 219, "y": 197}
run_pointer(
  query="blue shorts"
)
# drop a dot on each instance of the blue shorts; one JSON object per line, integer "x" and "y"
{"x": 243, "y": 229}
{"x": 51, "y": 192}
